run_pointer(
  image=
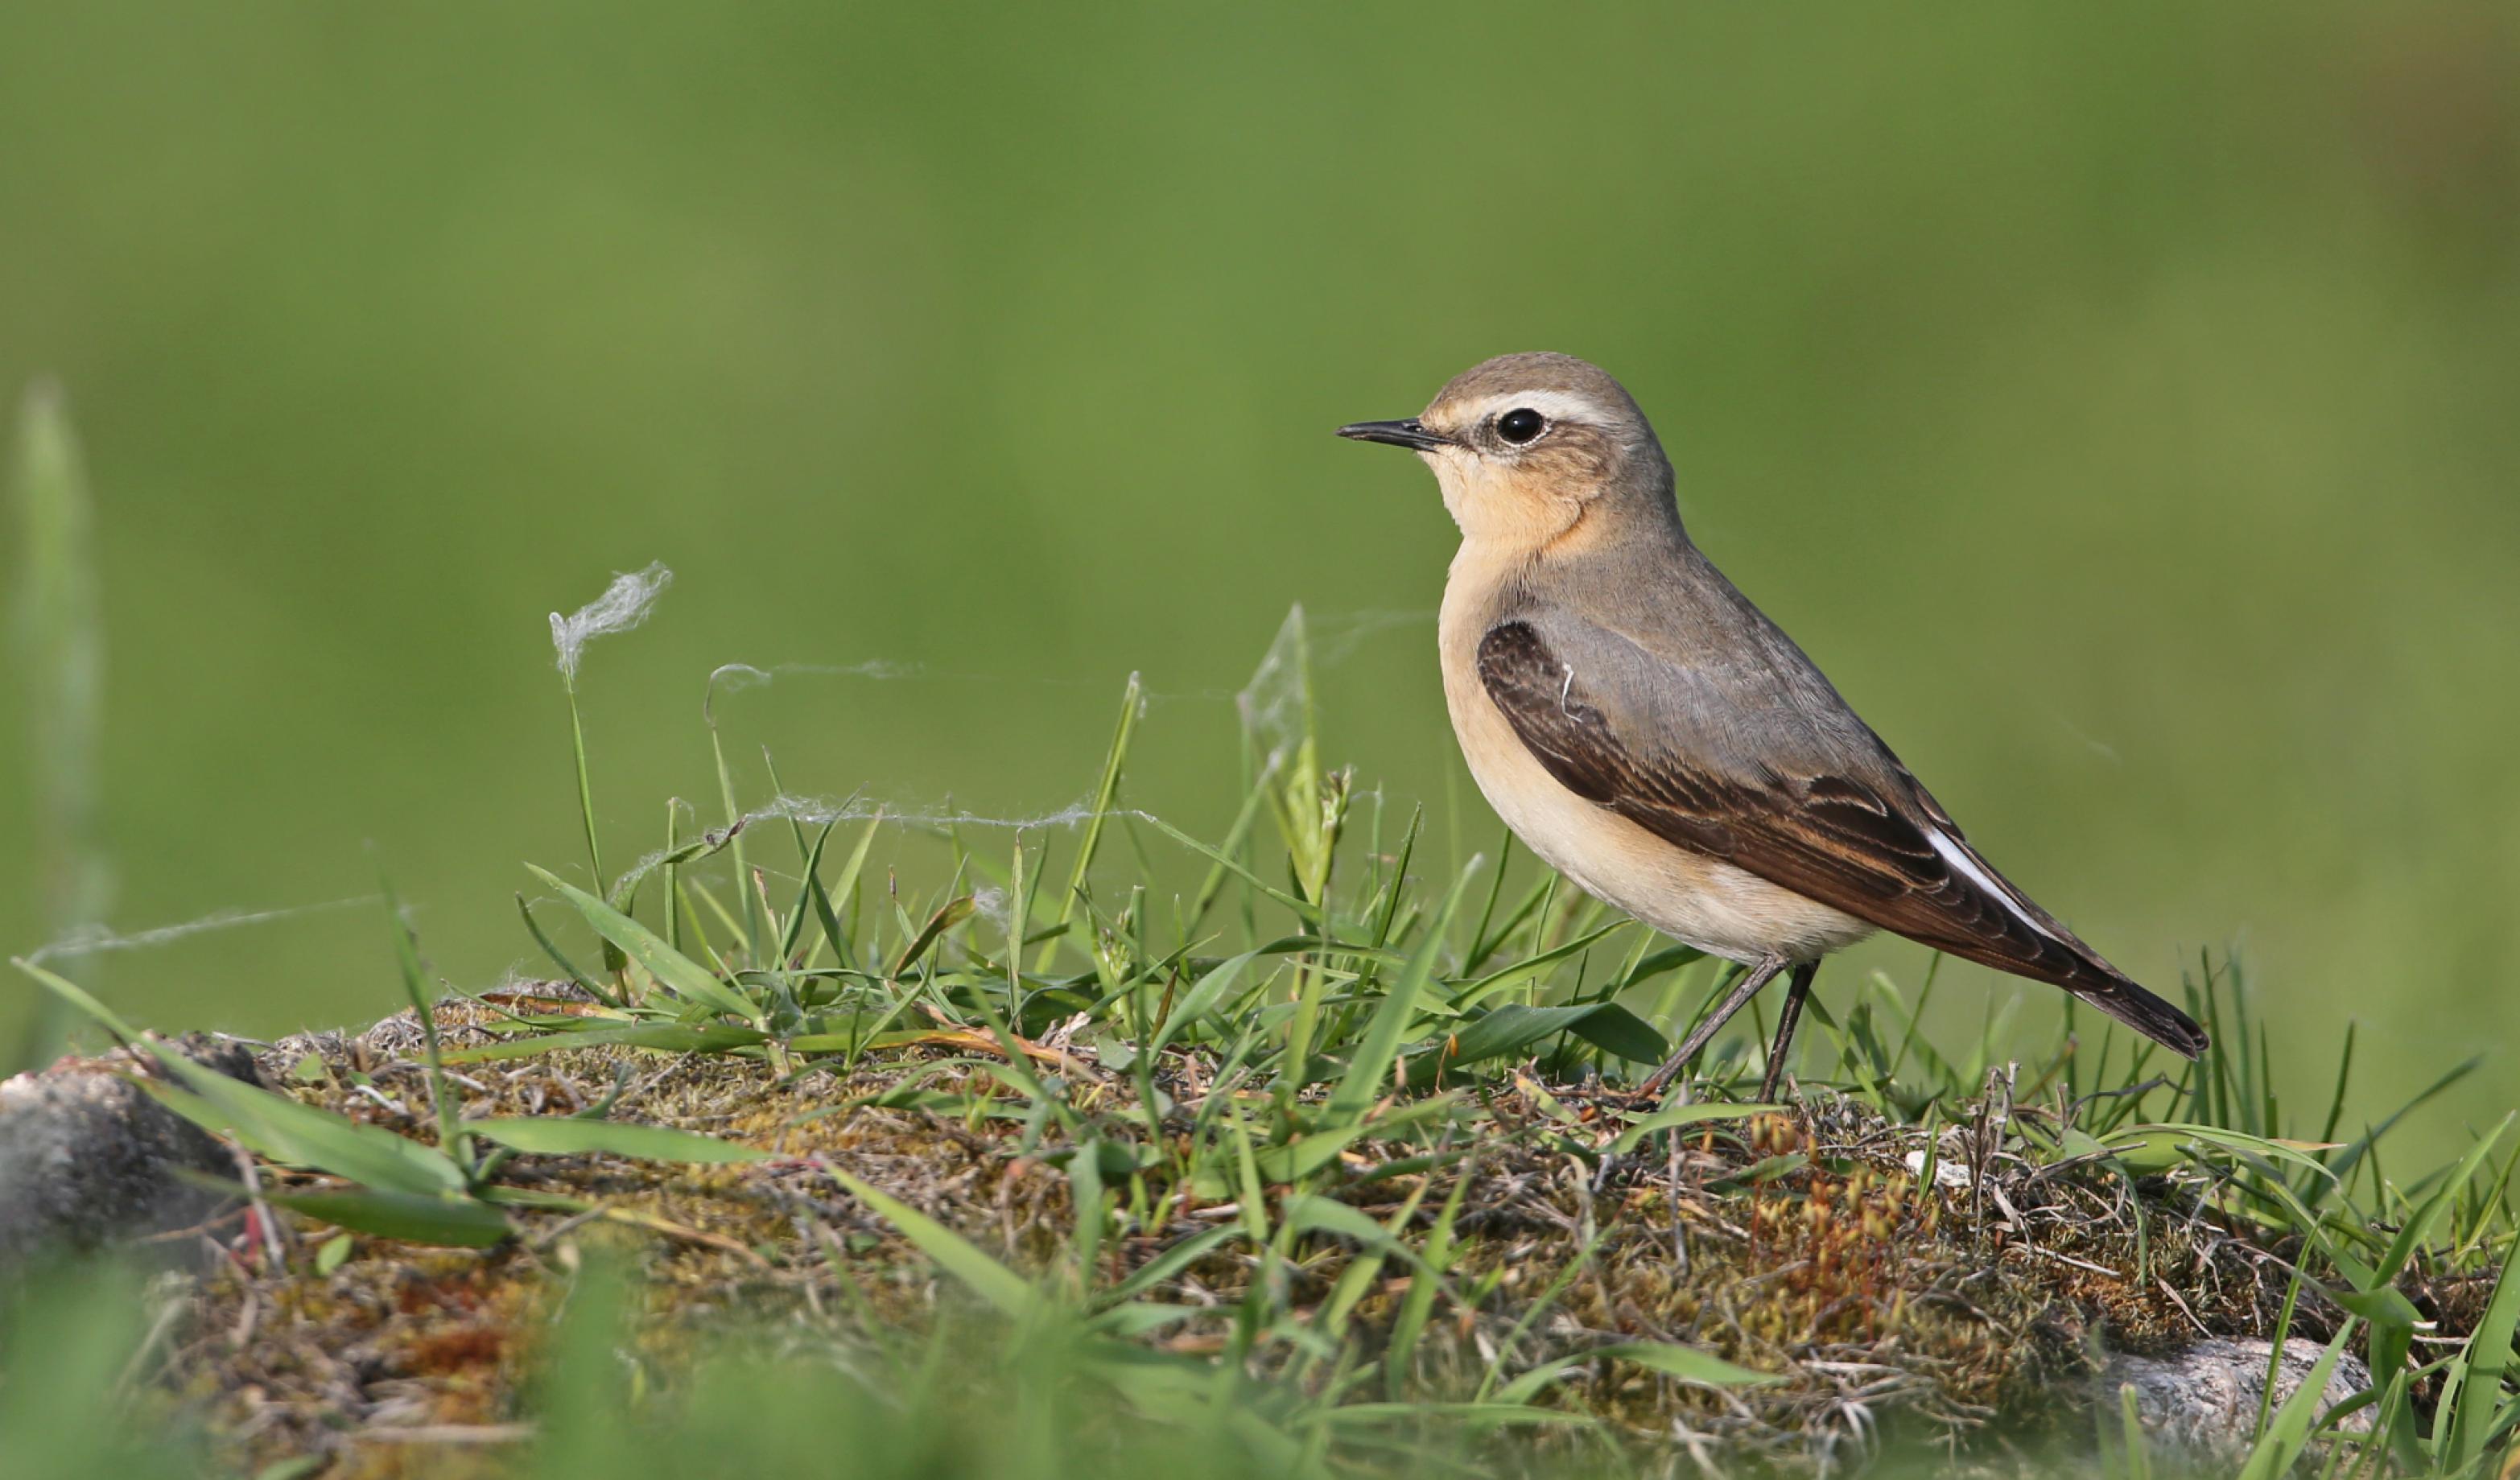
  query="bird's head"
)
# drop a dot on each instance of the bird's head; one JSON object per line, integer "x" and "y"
{"x": 1527, "y": 446}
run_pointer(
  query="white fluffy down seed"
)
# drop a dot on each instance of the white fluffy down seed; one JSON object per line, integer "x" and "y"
{"x": 624, "y": 605}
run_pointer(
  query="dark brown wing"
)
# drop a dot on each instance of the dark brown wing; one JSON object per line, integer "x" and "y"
{"x": 1876, "y": 846}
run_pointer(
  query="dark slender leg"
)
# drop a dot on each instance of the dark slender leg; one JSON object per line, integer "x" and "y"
{"x": 1795, "y": 991}
{"x": 1759, "y": 976}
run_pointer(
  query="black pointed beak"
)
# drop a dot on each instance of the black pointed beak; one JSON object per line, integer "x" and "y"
{"x": 1411, "y": 433}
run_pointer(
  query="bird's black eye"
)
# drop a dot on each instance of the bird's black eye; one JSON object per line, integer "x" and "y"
{"x": 1521, "y": 425}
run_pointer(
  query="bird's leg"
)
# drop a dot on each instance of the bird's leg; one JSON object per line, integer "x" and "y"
{"x": 1759, "y": 976}
{"x": 1796, "y": 989}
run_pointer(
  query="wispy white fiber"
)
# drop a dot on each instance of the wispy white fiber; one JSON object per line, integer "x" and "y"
{"x": 820, "y": 809}
{"x": 1275, "y": 696}
{"x": 735, "y": 678}
{"x": 730, "y": 677}
{"x": 624, "y": 605}
{"x": 97, "y": 939}
{"x": 1271, "y": 703}
{"x": 813, "y": 809}
{"x": 1342, "y": 635}
{"x": 1336, "y": 639}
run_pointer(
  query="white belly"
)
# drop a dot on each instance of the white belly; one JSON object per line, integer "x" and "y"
{"x": 1702, "y": 901}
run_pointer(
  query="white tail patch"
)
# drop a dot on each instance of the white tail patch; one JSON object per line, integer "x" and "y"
{"x": 1976, "y": 872}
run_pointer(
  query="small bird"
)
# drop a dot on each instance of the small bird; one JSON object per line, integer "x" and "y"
{"x": 1653, "y": 737}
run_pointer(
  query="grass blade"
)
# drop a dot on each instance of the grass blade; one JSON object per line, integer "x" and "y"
{"x": 557, "y": 1137}
{"x": 274, "y": 1125}
{"x": 568, "y": 969}
{"x": 1371, "y": 1069}
{"x": 684, "y": 976}
{"x": 846, "y": 887}
{"x": 1106, "y": 790}
{"x": 1310, "y": 914}
{"x": 987, "y": 1278}
{"x": 1202, "y": 1000}
{"x": 450, "y": 1132}
{"x": 1509, "y": 1029}
{"x": 412, "y": 1217}
{"x": 78, "y": 998}
{"x": 1674, "y": 1117}
{"x": 948, "y": 914}
{"x": 2489, "y": 1361}
{"x": 809, "y": 895}
{"x": 2289, "y": 1433}
{"x": 1531, "y": 969}
{"x": 286, "y": 1131}
{"x": 1686, "y": 1362}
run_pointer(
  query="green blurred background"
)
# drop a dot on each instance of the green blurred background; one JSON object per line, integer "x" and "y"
{"x": 2122, "y": 403}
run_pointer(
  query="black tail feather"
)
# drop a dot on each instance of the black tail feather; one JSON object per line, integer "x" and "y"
{"x": 2140, "y": 1010}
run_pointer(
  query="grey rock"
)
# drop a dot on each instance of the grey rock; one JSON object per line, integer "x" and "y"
{"x": 2205, "y": 1398}
{"x": 86, "y": 1156}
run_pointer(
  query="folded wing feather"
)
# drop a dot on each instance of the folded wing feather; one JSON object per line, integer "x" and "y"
{"x": 1771, "y": 773}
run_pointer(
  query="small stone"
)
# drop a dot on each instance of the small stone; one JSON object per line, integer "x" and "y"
{"x": 1948, "y": 1172}
{"x": 86, "y": 1155}
{"x": 2206, "y": 1399}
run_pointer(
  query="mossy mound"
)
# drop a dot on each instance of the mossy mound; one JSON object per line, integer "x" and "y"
{"x": 1805, "y": 1245}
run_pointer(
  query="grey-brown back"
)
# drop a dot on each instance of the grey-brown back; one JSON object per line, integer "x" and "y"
{"x": 1647, "y": 684}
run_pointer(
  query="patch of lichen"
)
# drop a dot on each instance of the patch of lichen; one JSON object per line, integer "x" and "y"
{"x": 1797, "y": 1244}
